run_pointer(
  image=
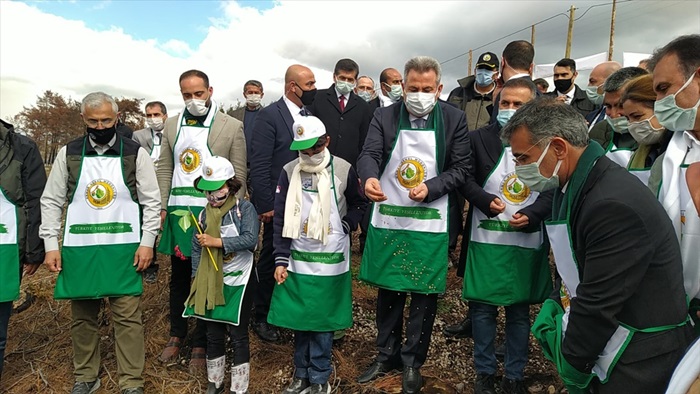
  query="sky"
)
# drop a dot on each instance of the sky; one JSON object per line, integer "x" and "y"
{"x": 139, "y": 48}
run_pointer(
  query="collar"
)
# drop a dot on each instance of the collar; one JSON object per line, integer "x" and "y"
{"x": 693, "y": 145}
{"x": 100, "y": 150}
{"x": 520, "y": 75}
{"x": 411, "y": 117}
{"x": 293, "y": 108}
{"x": 338, "y": 94}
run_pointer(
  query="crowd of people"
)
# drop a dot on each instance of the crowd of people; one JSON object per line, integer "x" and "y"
{"x": 606, "y": 178}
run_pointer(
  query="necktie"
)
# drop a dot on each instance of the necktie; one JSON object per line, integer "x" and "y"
{"x": 159, "y": 135}
{"x": 341, "y": 101}
{"x": 420, "y": 123}
{"x": 304, "y": 112}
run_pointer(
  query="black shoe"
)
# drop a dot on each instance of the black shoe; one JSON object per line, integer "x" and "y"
{"x": 485, "y": 384}
{"x": 509, "y": 386}
{"x": 320, "y": 388}
{"x": 212, "y": 389}
{"x": 411, "y": 381}
{"x": 375, "y": 370}
{"x": 298, "y": 386}
{"x": 501, "y": 351}
{"x": 266, "y": 332}
{"x": 461, "y": 330}
{"x": 86, "y": 387}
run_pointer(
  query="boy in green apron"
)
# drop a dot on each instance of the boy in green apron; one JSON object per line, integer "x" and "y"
{"x": 222, "y": 259}
{"x": 318, "y": 204}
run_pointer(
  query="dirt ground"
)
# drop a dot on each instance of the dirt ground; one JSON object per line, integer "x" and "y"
{"x": 38, "y": 357}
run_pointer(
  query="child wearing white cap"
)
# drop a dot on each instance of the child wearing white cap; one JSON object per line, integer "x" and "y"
{"x": 222, "y": 261}
{"x": 317, "y": 204}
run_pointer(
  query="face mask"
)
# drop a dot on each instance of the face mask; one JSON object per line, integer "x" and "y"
{"x": 619, "y": 125}
{"x": 253, "y": 100}
{"x": 484, "y": 77}
{"x": 419, "y": 103}
{"x": 344, "y": 87}
{"x": 312, "y": 161}
{"x": 504, "y": 116}
{"x": 102, "y": 136}
{"x": 197, "y": 107}
{"x": 365, "y": 95}
{"x": 307, "y": 96}
{"x": 155, "y": 123}
{"x": 644, "y": 133}
{"x": 395, "y": 93}
{"x": 593, "y": 95}
{"x": 673, "y": 117}
{"x": 217, "y": 197}
{"x": 531, "y": 176}
{"x": 563, "y": 85}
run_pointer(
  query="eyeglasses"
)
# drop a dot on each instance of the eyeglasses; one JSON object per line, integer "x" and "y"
{"x": 518, "y": 160}
{"x": 106, "y": 123}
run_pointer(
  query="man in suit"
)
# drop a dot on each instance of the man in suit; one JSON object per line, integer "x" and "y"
{"x": 619, "y": 320}
{"x": 566, "y": 90}
{"x": 253, "y": 93}
{"x": 345, "y": 115}
{"x": 197, "y": 133}
{"x": 272, "y": 135}
{"x": 595, "y": 92}
{"x": 408, "y": 173}
{"x": 365, "y": 90}
{"x": 390, "y": 84}
{"x": 516, "y": 62}
{"x": 150, "y": 139}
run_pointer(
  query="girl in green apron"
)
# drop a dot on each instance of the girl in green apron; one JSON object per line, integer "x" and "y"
{"x": 222, "y": 261}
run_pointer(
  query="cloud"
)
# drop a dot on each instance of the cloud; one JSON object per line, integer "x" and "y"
{"x": 245, "y": 43}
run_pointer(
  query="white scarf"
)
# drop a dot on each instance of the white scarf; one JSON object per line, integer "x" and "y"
{"x": 319, "y": 215}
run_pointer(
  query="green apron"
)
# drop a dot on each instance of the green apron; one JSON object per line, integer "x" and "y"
{"x": 9, "y": 249}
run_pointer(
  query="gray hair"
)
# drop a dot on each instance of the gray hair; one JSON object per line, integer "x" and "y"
{"x": 423, "y": 64}
{"x": 615, "y": 81}
{"x": 686, "y": 48}
{"x": 546, "y": 118}
{"x": 97, "y": 99}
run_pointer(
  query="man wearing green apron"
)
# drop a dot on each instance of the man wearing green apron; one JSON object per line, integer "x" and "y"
{"x": 150, "y": 139}
{"x": 617, "y": 321}
{"x": 189, "y": 139}
{"x": 22, "y": 179}
{"x": 414, "y": 155}
{"x": 676, "y": 82}
{"x": 110, "y": 225}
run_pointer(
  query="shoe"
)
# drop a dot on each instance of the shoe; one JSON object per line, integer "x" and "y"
{"x": 411, "y": 381}
{"x": 320, "y": 388}
{"x": 198, "y": 361}
{"x": 150, "y": 277}
{"x": 216, "y": 370}
{"x": 266, "y": 332}
{"x": 298, "y": 386}
{"x": 509, "y": 386}
{"x": 375, "y": 370}
{"x": 212, "y": 389}
{"x": 338, "y": 336}
{"x": 461, "y": 330}
{"x": 171, "y": 351}
{"x": 501, "y": 351}
{"x": 85, "y": 387}
{"x": 133, "y": 390}
{"x": 485, "y": 384}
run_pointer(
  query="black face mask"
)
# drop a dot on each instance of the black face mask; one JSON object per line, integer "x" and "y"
{"x": 307, "y": 96}
{"x": 563, "y": 85}
{"x": 102, "y": 136}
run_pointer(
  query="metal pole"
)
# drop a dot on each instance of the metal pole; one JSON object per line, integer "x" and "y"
{"x": 612, "y": 31}
{"x": 532, "y": 36}
{"x": 470, "y": 62}
{"x": 570, "y": 34}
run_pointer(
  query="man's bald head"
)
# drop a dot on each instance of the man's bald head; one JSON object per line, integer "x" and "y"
{"x": 297, "y": 80}
{"x": 601, "y": 72}
{"x": 295, "y": 71}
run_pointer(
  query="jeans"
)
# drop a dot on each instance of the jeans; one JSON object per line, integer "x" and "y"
{"x": 5, "y": 311}
{"x": 484, "y": 334}
{"x": 312, "y": 355}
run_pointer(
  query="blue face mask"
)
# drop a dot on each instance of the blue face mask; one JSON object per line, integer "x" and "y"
{"x": 484, "y": 77}
{"x": 504, "y": 116}
{"x": 593, "y": 95}
{"x": 530, "y": 175}
{"x": 673, "y": 117}
{"x": 365, "y": 95}
{"x": 619, "y": 125}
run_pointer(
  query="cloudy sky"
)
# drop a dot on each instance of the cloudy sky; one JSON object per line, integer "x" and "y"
{"x": 131, "y": 48}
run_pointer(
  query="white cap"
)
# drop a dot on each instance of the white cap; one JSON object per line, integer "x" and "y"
{"x": 306, "y": 132}
{"x": 215, "y": 172}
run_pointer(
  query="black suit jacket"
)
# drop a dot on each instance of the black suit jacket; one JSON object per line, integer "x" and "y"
{"x": 630, "y": 264}
{"x": 382, "y": 135}
{"x": 579, "y": 102}
{"x": 347, "y": 129}
{"x": 373, "y": 105}
{"x": 272, "y": 135}
{"x": 486, "y": 147}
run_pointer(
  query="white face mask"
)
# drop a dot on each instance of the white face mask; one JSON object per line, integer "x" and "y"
{"x": 312, "y": 161}
{"x": 155, "y": 123}
{"x": 419, "y": 103}
{"x": 253, "y": 100}
{"x": 644, "y": 133}
{"x": 395, "y": 92}
{"x": 344, "y": 87}
{"x": 197, "y": 107}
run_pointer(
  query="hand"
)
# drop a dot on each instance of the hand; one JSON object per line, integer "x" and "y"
{"x": 266, "y": 217}
{"x": 418, "y": 193}
{"x": 143, "y": 258}
{"x": 207, "y": 241}
{"x": 53, "y": 260}
{"x": 519, "y": 221}
{"x": 497, "y": 206}
{"x": 30, "y": 269}
{"x": 163, "y": 214}
{"x": 373, "y": 190}
{"x": 561, "y": 98}
{"x": 280, "y": 274}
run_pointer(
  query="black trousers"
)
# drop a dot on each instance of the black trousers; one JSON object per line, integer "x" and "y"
{"x": 456, "y": 224}
{"x": 419, "y": 327}
{"x": 216, "y": 331}
{"x": 180, "y": 282}
{"x": 265, "y": 269}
